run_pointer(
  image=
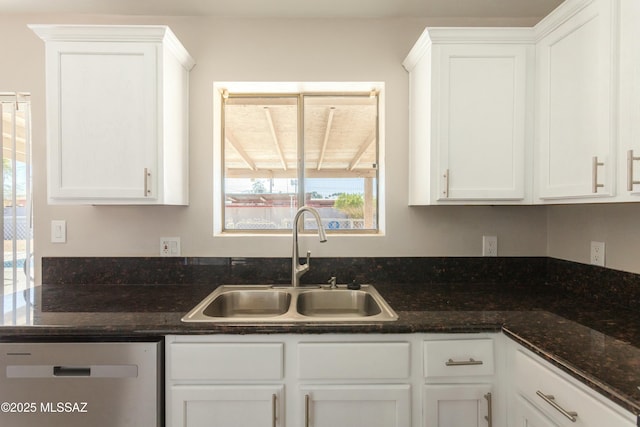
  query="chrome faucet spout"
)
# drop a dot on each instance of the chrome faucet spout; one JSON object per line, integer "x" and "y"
{"x": 297, "y": 269}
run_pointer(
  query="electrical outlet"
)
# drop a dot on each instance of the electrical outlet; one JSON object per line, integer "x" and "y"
{"x": 489, "y": 245}
{"x": 169, "y": 246}
{"x": 597, "y": 253}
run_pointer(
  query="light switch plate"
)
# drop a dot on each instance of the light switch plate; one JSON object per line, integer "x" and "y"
{"x": 58, "y": 231}
{"x": 169, "y": 246}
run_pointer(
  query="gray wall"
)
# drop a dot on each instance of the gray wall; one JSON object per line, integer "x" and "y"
{"x": 290, "y": 50}
{"x": 572, "y": 228}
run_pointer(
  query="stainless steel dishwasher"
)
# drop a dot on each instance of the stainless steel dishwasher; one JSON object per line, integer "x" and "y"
{"x": 73, "y": 384}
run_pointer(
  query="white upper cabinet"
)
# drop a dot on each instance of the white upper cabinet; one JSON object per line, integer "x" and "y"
{"x": 629, "y": 136}
{"x": 117, "y": 114}
{"x": 549, "y": 114}
{"x": 470, "y": 116}
{"x": 576, "y": 85}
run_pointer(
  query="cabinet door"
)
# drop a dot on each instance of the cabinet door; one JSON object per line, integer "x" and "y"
{"x": 226, "y": 406}
{"x": 576, "y": 93}
{"x": 356, "y": 406}
{"x": 629, "y": 135}
{"x": 482, "y": 110}
{"x": 526, "y": 415}
{"x": 460, "y": 405}
{"x": 102, "y": 116}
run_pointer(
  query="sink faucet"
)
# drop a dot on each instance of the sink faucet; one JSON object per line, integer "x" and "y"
{"x": 297, "y": 269}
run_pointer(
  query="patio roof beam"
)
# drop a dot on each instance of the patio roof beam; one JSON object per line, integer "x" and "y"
{"x": 363, "y": 149}
{"x": 236, "y": 146}
{"x": 274, "y": 135}
{"x": 327, "y": 131}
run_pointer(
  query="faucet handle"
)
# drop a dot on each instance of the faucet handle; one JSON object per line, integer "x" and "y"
{"x": 308, "y": 258}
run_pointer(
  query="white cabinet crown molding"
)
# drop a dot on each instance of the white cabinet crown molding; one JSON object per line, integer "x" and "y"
{"x": 116, "y": 33}
{"x": 558, "y": 16}
{"x": 465, "y": 35}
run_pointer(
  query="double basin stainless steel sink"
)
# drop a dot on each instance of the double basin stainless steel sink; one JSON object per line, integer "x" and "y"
{"x": 264, "y": 303}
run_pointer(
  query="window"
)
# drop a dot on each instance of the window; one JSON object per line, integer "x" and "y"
{"x": 15, "y": 131}
{"x": 286, "y": 149}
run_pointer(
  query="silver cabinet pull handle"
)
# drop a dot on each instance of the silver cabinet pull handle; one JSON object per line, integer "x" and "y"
{"x": 445, "y": 184}
{"x": 469, "y": 362}
{"x": 551, "y": 401}
{"x": 274, "y": 418}
{"x": 147, "y": 174}
{"x": 594, "y": 175}
{"x": 630, "y": 160}
{"x": 489, "y": 416}
{"x": 307, "y": 404}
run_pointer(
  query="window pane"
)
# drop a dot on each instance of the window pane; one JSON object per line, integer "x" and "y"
{"x": 341, "y": 160}
{"x": 260, "y": 159}
{"x": 268, "y": 137}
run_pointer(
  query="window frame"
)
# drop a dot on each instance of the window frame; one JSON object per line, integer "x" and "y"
{"x": 299, "y": 90}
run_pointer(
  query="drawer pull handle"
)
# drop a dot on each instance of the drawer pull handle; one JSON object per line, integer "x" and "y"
{"x": 307, "y": 403}
{"x": 274, "y": 418}
{"x": 71, "y": 371}
{"x": 550, "y": 399}
{"x": 469, "y": 362}
{"x": 489, "y": 416}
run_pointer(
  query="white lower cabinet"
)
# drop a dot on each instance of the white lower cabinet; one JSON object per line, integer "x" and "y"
{"x": 227, "y": 406}
{"x": 327, "y": 381}
{"x": 356, "y": 405}
{"x": 373, "y": 380}
{"x": 526, "y": 415}
{"x": 542, "y": 395}
{"x": 354, "y": 384}
{"x": 460, "y": 377}
{"x": 458, "y": 405}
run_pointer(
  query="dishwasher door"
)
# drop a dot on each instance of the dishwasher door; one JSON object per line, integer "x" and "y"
{"x": 97, "y": 384}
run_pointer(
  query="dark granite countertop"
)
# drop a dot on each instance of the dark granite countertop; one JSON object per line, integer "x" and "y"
{"x": 598, "y": 344}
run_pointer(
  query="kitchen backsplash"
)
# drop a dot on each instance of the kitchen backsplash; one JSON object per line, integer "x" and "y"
{"x": 606, "y": 285}
{"x": 158, "y": 270}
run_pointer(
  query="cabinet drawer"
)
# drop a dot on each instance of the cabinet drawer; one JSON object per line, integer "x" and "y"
{"x": 226, "y": 361}
{"x": 458, "y": 358}
{"x": 365, "y": 360}
{"x": 533, "y": 380}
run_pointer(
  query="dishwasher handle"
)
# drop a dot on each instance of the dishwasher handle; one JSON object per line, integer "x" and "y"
{"x": 71, "y": 371}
